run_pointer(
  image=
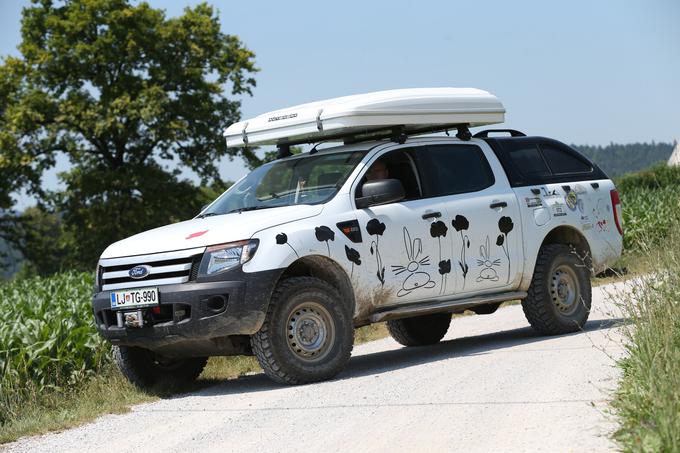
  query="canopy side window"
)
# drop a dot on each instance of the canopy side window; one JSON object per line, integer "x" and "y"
{"x": 563, "y": 161}
{"x": 529, "y": 161}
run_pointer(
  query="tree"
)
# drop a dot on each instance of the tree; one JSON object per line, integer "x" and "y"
{"x": 42, "y": 243}
{"x": 121, "y": 90}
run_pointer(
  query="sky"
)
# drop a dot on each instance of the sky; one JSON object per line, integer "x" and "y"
{"x": 583, "y": 71}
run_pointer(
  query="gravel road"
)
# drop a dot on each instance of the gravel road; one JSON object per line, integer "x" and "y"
{"x": 491, "y": 385}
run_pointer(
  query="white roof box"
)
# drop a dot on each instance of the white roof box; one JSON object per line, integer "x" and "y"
{"x": 416, "y": 110}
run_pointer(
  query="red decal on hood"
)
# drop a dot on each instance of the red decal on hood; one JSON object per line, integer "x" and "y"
{"x": 197, "y": 234}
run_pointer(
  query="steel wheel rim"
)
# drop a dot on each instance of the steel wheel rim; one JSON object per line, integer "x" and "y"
{"x": 310, "y": 331}
{"x": 564, "y": 289}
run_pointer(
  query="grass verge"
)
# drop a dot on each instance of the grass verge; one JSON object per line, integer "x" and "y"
{"x": 108, "y": 392}
{"x": 647, "y": 402}
{"x": 52, "y": 410}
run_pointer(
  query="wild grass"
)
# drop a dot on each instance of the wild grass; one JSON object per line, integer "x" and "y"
{"x": 106, "y": 392}
{"x": 647, "y": 402}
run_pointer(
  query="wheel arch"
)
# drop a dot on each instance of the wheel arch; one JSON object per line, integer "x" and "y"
{"x": 568, "y": 235}
{"x": 326, "y": 269}
{"x": 563, "y": 234}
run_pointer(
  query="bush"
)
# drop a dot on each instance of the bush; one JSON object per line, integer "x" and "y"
{"x": 47, "y": 337}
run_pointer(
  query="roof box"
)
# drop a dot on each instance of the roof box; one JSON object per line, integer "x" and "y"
{"x": 412, "y": 111}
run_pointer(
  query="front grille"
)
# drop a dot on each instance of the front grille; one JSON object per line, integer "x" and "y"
{"x": 164, "y": 269}
{"x": 195, "y": 265}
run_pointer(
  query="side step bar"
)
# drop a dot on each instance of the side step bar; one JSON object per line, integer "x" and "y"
{"x": 457, "y": 305}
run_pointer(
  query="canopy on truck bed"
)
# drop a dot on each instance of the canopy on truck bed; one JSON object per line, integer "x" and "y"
{"x": 409, "y": 111}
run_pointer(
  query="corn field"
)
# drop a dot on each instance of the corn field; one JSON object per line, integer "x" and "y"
{"x": 651, "y": 206}
{"x": 47, "y": 338}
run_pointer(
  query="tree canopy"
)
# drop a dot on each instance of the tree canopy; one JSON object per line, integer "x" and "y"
{"x": 121, "y": 90}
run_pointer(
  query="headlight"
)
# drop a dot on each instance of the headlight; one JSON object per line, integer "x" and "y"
{"x": 219, "y": 258}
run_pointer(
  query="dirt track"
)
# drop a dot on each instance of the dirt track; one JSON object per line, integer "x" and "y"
{"x": 491, "y": 385}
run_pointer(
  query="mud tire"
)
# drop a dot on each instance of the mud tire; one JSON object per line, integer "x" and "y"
{"x": 319, "y": 305}
{"x": 542, "y": 306}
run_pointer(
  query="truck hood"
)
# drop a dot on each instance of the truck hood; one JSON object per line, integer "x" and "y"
{"x": 208, "y": 231}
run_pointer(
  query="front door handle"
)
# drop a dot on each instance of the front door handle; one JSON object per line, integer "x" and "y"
{"x": 432, "y": 215}
{"x": 498, "y": 204}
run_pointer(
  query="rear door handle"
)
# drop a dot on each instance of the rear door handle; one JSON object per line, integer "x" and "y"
{"x": 498, "y": 204}
{"x": 432, "y": 215}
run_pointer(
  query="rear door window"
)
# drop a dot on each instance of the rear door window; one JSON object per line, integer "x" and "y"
{"x": 454, "y": 169}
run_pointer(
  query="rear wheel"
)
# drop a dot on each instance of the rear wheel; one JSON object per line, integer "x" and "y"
{"x": 145, "y": 369}
{"x": 559, "y": 297}
{"x": 307, "y": 335}
{"x": 420, "y": 330}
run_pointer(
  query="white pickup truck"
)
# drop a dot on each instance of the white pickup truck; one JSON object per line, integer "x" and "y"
{"x": 392, "y": 224}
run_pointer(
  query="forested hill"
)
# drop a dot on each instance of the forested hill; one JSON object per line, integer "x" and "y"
{"x": 617, "y": 159}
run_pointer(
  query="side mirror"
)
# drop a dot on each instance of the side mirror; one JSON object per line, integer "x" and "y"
{"x": 378, "y": 192}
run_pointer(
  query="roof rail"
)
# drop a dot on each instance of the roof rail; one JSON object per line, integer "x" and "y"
{"x": 512, "y": 132}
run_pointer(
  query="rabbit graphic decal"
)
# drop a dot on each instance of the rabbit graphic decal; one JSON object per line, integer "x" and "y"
{"x": 416, "y": 278}
{"x": 488, "y": 272}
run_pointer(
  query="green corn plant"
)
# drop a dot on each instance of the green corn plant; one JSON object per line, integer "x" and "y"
{"x": 47, "y": 337}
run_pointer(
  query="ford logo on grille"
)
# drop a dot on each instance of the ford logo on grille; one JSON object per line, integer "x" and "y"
{"x": 138, "y": 272}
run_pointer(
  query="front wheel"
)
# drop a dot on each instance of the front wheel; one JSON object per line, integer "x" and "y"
{"x": 307, "y": 335}
{"x": 146, "y": 369}
{"x": 559, "y": 296}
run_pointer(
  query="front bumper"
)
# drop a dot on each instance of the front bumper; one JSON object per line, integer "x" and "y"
{"x": 194, "y": 315}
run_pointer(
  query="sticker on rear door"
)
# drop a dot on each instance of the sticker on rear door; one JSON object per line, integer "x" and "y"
{"x": 559, "y": 209}
{"x": 533, "y": 202}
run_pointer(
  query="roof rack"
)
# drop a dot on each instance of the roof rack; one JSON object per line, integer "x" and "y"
{"x": 398, "y": 133}
{"x": 512, "y": 132}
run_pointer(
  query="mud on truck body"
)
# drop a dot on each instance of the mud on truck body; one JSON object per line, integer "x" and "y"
{"x": 297, "y": 254}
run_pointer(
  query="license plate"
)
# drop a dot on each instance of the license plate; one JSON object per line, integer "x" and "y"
{"x": 134, "y": 298}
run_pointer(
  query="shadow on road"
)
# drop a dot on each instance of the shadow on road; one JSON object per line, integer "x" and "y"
{"x": 380, "y": 362}
{"x": 383, "y": 361}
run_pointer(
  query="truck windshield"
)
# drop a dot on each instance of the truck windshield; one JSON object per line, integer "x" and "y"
{"x": 306, "y": 180}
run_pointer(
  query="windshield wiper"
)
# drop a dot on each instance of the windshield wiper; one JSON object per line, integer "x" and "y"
{"x": 207, "y": 214}
{"x": 250, "y": 208}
